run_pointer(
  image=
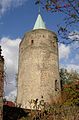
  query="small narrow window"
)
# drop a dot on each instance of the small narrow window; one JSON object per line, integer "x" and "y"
{"x": 32, "y": 42}
{"x": 43, "y": 36}
{"x": 56, "y": 85}
{"x": 41, "y": 96}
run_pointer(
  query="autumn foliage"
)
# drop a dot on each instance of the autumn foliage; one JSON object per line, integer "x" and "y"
{"x": 70, "y": 87}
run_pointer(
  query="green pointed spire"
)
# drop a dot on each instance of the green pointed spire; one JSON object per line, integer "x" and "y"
{"x": 39, "y": 24}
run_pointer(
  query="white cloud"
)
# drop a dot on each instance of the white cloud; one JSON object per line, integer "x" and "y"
{"x": 64, "y": 51}
{"x": 70, "y": 56}
{"x": 10, "y": 52}
{"x": 7, "y": 4}
{"x": 73, "y": 67}
{"x": 11, "y": 96}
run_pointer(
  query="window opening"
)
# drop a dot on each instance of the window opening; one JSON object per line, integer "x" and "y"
{"x": 56, "y": 85}
{"x": 32, "y": 41}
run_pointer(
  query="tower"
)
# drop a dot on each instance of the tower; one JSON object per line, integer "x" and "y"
{"x": 1, "y": 83}
{"x": 38, "y": 76}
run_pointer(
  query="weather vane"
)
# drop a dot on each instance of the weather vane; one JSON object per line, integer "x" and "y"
{"x": 38, "y": 2}
{"x": 39, "y": 7}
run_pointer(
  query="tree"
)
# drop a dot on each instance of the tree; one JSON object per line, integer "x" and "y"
{"x": 70, "y": 87}
{"x": 64, "y": 77}
{"x": 71, "y": 91}
{"x": 68, "y": 77}
{"x": 70, "y": 8}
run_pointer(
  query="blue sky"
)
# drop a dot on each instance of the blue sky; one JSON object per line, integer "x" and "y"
{"x": 18, "y": 17}
{"x": 17, "y": 20}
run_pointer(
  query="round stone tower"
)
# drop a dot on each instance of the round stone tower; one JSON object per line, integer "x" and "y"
{"x": 38, "y": 76}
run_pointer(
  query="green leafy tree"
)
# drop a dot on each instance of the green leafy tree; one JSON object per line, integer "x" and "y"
{"x": 64, "y": 77}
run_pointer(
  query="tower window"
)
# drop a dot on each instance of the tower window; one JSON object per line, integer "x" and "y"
{"x": 56, "y": 85}
{"x": 32, "y": 42}
{"x": 43, "y": 36}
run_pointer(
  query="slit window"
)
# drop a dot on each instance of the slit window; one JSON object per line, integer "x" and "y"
{"x": 56, "y": 85}
{"x": 32, "y": 42}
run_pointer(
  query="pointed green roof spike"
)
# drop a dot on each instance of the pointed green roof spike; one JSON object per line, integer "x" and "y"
{"x": 39, "y": 24}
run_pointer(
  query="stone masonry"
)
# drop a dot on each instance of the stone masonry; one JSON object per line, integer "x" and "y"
{"x": 38, "y": 76}
{"x": 1, "y": 83}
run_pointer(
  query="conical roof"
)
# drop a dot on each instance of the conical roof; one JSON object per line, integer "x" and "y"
{"x": 39, "y": 24}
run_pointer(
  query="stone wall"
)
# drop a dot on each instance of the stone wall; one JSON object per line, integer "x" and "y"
{"x": 38, "y": 76}
{"x": 1, "y": 83}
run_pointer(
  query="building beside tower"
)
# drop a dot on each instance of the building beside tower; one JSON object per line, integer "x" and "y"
{"x": 38, "y": 75}
{"x": 1, "y": 84}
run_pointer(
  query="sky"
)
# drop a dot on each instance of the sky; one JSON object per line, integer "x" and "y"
{"x": 18, "y": 17}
